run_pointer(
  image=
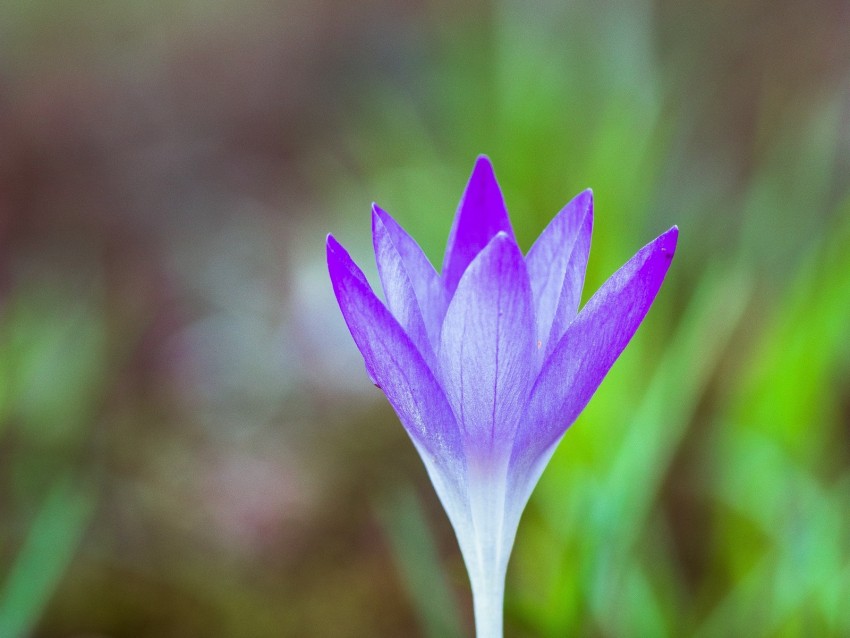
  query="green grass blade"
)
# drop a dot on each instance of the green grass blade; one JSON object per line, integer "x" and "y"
{"x": 415, "y": 552}
{"x": 39, "y": 566}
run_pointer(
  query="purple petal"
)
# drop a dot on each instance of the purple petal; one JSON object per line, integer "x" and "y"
{"x": 394, "y": 362}
{"x": 556, "y": 265}
{"x": 480, "y": 215}
{"x": 424, "y": 280}
{"x": 590, "y": 346}
{"x": 399, "y": 293}
{"x": 488, "y": 348}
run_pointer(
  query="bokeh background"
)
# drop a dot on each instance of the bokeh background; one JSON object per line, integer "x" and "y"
{"x": 189, "y": 445}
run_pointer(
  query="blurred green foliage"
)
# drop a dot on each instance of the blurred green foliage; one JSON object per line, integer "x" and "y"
{"x": 166, "y": 188}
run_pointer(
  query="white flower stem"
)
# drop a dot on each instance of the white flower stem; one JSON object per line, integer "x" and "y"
{"x": 488, "y": 594}
{"x": 485, "y": 551}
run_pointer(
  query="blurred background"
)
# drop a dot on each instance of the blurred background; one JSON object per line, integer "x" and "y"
{"x": 189, "y": 444}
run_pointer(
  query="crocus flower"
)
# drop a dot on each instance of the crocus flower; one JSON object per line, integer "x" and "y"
{"x": 490, "y": 361}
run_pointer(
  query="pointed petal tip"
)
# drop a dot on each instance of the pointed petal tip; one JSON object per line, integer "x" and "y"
{"x": 338, "y": 258}
{"x": 335, "y": 250}
{"x": 667, "y": 241}
{"x": 483, "y": 159}
{"x": 500, "y": 239}
{"x": 377, "y": 217}
{"x": 377, "y": 214}
{"x": 480, "y": 215}
{"x": 335, "y": 260}
{"x": 334, "y": 253}
{"x": 586, "y": 198}
{"x": 483, "y": 168}
{"x": 579, "y": 207}
{"x": 341, "y": 266}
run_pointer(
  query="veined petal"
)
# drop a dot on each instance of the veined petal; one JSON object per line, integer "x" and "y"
{"x": 395, "y": 363}
{"x": 589, "y": 347}
{"x": 427, "y": 286}
{"x": 556, "y": 265}
{"x": 480, "y": 215}
{"x": 487, "y": 346}
{"x": 398, "y": 290}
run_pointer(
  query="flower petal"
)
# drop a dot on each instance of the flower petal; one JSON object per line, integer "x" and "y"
{"x": 401, "y": 259}
{"x": 394, "y": 362}
{"x": 556, "y": 265}
{"x": 589, "y": 348}
{"x": 480, "y": 215}
{"x": 487, "y": 349}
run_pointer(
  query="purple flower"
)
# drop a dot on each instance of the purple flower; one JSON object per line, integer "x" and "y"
{"x": 488, "y": 363}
